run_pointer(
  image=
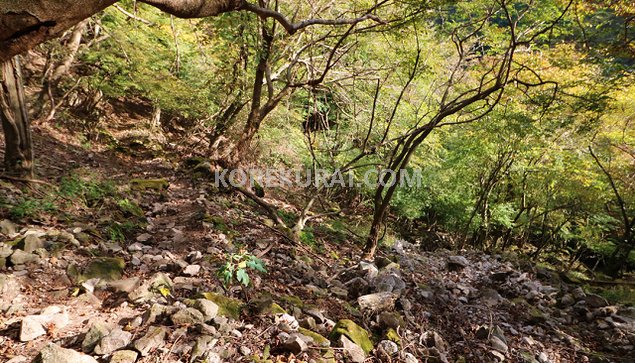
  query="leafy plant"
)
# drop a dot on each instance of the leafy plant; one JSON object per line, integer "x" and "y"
{"x": 31, "y": 207}
{"x": 238, "y": 265}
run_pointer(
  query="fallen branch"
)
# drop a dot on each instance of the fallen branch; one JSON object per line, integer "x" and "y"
{"x": 133, "y": 16}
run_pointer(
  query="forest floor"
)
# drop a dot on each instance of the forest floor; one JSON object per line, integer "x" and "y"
{"x": 115, "y": 252}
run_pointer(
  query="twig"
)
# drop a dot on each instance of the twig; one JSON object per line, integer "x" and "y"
{"x": 25, "y": 180}
{"x": 133, "y": 16}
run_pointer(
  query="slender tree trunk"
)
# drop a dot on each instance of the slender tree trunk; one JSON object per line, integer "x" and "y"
{"x": 18, "y": 157}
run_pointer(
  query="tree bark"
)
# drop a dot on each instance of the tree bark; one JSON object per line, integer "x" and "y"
{"x": 18, "y": 157}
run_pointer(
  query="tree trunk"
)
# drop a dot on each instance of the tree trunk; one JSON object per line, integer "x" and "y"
{"x": 18, "y": 157}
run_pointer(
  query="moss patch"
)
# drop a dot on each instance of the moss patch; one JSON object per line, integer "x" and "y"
{"x": 317, "y": 338}
{"x": 227, "y": 306}
{"x": 143, "y": 184}
{"x": 105, "y": 268}
{"x": 354, "y": 332}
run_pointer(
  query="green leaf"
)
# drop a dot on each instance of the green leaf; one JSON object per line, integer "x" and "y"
{"x": 242, "y": 277}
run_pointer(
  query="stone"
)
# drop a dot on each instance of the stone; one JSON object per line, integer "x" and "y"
{"x": 8, "y": 228}
{"x": 53, "y": 353}
{"x": 18, "y": 359}
{"x": 93, "y": 336}
{"x": 352, "y": 350}
{"x": 227, "y": 306}
{"x": 207, "y": 307}
{"x": 32, "y": 242}
{"x": 125, "y": 285}
{"x": 136, "y": 247}
{"x": 30, "y": 329}
{"x": 143, "y": 238}
{"x": 9, "y": 290}
{"x": 595, "y": 301}
{"x": 104, "y": 268}
{"x": 192, "y": 270}
{"x": 354, "y": 332}
{"x": 498, "y": 344}
{"x": 457, "y": 262}
{"x": 20, "y": 257}
{"x": 124, "y": 356}
{"x": 390, "y": 320}
{"x": 153, "y": 339}
{"x": 389, "y": 280}
{"x": 409, "y": 358}
{"x": 388, "y": 347}
{"x": 497, "y": 356}
{"x": 294, "y": 343}
{"x": 369, "y": 269}
{"x": 379, "y": 301}
{"x": 567, "y": 300}
{"x": 357, "y": 287}
{"x": 148, "y": 289}
{"x": 187, "y": 316}
{"x": 116, "y": 339}
{"x": 244, "y": 350}
{"x": 544, "y": 358}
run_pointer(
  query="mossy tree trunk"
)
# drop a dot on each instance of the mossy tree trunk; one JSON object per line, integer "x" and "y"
{"x": 18, "y": 157}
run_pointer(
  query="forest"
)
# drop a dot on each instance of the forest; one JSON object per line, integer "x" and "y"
{"x": 279, "y": 181}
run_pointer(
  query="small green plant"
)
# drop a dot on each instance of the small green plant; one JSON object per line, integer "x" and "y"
{"x": 117, "y": 231}
{"x": 90, "y": 192}
{"x": 31, "y": 207}
{"x": 237, "y": 266}
{"x": 130, "y": 208}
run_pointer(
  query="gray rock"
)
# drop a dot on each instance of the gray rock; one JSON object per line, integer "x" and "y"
{"x": 32, "y": 242}
{"x": 378, "y": 301}
{"x": 496, "y": 356}
{"x": 340, "y": 292}
{"x": 9, "y": 290}
{"x": 544, "y": 358}
{"x": 116, "y": 339}
{"x": 53, "y": 353}
{"x": 149, "y": 288}
{"x": 244, "y": 350}
{"x": 124, "y": 356}
{"x": 5, "y": 250}
{"x": 389, "y": 281}
{"x": 369, "y": 269}
{"x": 93, "y": 336}
{"x": 192, "y": 270}
{"x": 207, "y": 307}
{"x": 388, "y": 347}
{"x": 357, "y": 287}
{"x": 187, "y": 316}
{"x": 18, "y": 359}
{"x": 20, "y": 257}
{"x": 154, "y": 338}
{"x": 409, "y": 358}
{"x": 498, "y": 344}
{"x": 125, "y": 285}
{"x": 352, "y": 350}
{"x": 30, "y": 329}
{"x": 8, "y": 228}
{"x": 457, "y": 262}
{"x": 293, "y": 343}
{"x": 567, "y": 300}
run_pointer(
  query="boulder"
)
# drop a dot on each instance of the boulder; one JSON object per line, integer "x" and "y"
{"x": 227, "y": 306}
{"x": 124, "y": 356}
{"x": 9, "y": 290}
{"x": 20, "y": 257}
{"x": 457, "y": 262}
{"x": 354, "y": 352}
{"x": 153, "y": 339}
{"x": 207, "y": 307}
{"x": 379, "y": 301}
{"x": 104, "y": 268}
{"x": 354, "y": 332}
{"x": 52, "y": 353}
{"x": 93, "y": 336}
{"x": 116, "y": 339}
{"x": 30, "y": 329}
{"x": 187, "y": 316}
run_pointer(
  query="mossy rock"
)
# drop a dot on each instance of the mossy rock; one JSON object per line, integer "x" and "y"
{"x": 105, "y": 268}
{"x": 144, "y": 184}
{"x": 291, "y": 301}
{"x": 319, "y": 340}
{"x": 391, "y": 334}
{"x": 354, "y": 332}
{"x": 227, "y": 306}
{"x": 266, "y": 306}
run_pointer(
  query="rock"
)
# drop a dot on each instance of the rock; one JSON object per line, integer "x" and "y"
{"x": 244, "y": 350}
{"x": 192, "y": 270}
{"x": 154, "y": 338}
{"x": 352, "y": 350}
{"x": 8, "y": 228}
{"x": 389, "y": 280}
{"x": 125, "y": 285}
{"x": 9, "y": 290}
{"x": 498, "y": 344}
{"x": 370, "y": 270}
{"x": 314, "y": 338}
{"x": 457, "y": 262}
{"x": 409, "y": 358}
{"x": 433, "y": 339}
{"x": 354, "y": 332}
{"x": 379, "y": 301}
{"x": 207, "y": 307}
{"x": 567, "y": 300}
{"x": 227, "y": 306}
{"x": 390, "y": 320}
{"x": 144, "y": 237}
{"x": 187, "y": 316}
{"x": 32, "y": 242}
{"x": 340, "y": 292}
{"x": 388, "y": 347}
{"x": 30, "y": 329}
{"x": 287, "y": 323}
{"x": 53, "y": 353}
{"x": 18, "y": 359}
{"x": 544, "y": 358}
{"x": 116, "y": 339}
{"x": 124, "y": 356}
{"x": 294, "y": 343}
{"x": 595, "y": 301}
{"x": 104, "y": 268}
{"x": 20, "y": 257}
{"x": 357, "y": 287}
{"x": 158, "y": 283}
{"x": 93, "y": 336}
{"x": 490, "y": 297}
{"x": 497, "y": 356}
